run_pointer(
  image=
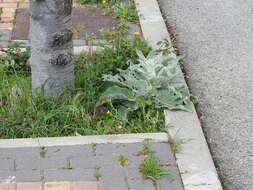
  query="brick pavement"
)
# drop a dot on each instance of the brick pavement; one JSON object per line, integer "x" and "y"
{"x": 89, "y": 167}
{"x": 62, "y": 185}
{"x": 8, "y": 9}
{"x": 14, "y": 22}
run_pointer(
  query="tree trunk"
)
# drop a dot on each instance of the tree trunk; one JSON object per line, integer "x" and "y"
{"x": 52, "y": 46}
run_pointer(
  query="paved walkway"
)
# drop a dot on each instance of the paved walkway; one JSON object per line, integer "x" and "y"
{"x": 99, "y": 167}
{"x": 8, "y": 9}
{"x": 14, "y": 22}
{"x": 216, "y": 38}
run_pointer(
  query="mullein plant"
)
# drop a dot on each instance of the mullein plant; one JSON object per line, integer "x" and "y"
{"x": 152, "y": 81}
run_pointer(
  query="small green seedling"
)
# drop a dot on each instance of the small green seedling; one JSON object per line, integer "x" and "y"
{"x": 176, "y": 144}
{"x": 146, "y": 147}
{"x": 97, "y": 175}
{"x": 70, "y": 167}
{"x": 123, "y": 161}
{"x": 43, "y": 152}
{"x": 93, "y": 146}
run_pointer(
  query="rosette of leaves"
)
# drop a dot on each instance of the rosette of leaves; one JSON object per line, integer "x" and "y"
{"x": 149, "y": 82}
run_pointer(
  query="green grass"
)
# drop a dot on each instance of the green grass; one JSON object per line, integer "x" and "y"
{"x": 23, "y": 116}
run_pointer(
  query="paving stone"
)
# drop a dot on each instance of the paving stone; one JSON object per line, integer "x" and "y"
{"x": 84, "y": 16}
{"x": 20, "y": 176}
{"x": 68, "y": 152}
{"x": 131, "y": 148}
{"x": 7, "y": 186}
{"x": 135, "y": 180}
{"x": 30, "y": 186}
{"x": 141, "y": 184}
{"x": 6, "y": 164}
{"x": 108, "y": 160}
{"x": 58, "y": 186}
{"x": 163, "y": 152}
{"x": 86, "y": 185}
{"x": 112, "y": 179}
{"x": 69, "y": 175}
{"x": 40, "y": 163}
{"x": 9, "y": 5}
{"x": 19, "y": 153}
{"x": 130, "y": 151}
{"x": 171, "y": 183}
{"x": 81, "y": 16}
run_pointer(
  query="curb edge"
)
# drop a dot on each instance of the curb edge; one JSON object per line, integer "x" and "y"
{"x": 195, "y": 162}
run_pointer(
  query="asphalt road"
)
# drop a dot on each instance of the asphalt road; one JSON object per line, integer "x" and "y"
{"x": 216, "y": 38}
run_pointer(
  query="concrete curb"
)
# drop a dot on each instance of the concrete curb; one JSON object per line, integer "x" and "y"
{"x": 83, "y": 140}
{"x": 194, "y": 161}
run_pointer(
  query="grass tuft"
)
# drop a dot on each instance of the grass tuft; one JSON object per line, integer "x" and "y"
{"x": 151, "y": 168}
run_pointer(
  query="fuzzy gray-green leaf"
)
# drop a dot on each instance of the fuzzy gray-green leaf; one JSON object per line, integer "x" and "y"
{"x": 150, "y": 80}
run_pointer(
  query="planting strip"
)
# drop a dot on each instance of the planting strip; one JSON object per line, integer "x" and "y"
{"x": 195, "y": 162}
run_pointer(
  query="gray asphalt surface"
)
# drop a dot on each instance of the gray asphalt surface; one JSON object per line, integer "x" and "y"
{"x": 216, "y": 38}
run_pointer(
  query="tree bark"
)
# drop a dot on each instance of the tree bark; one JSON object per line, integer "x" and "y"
{"x": 52, "y": 46}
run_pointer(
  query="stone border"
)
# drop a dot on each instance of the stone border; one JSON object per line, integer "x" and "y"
{"x": 83, "y": 140}
{"x": 195, "y": 162}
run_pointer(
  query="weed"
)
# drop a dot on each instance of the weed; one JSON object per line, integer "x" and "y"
{"x": 123, "y": 161}
{"x": 125, "y": 11}
{"x": 149, "y": 83}
{"x": 166, "y": 47}
{"x": 93, "y": 146}
{"x": 176, "y": 144}
{"x": 151, "y": 169}
{"x": 146, "y": 147}
{"x": 97, "y": 176}
{"x": 196, "y": 103}
{"x": 69, "y": 167}
{"x": 43, "y": 152}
